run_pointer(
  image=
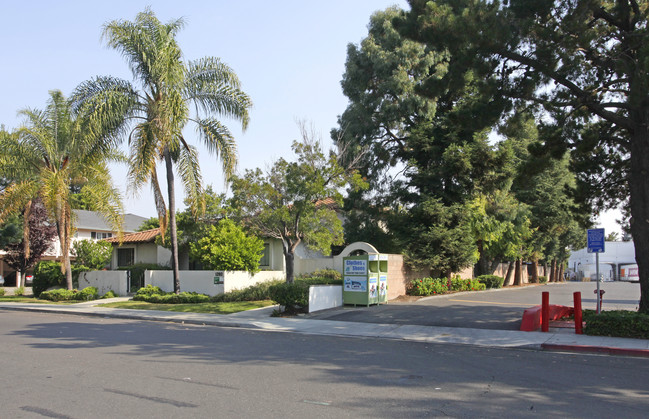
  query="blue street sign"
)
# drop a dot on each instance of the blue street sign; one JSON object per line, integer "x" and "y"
{"x": 596, "y": 240}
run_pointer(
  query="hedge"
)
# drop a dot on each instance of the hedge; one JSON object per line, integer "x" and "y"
{"x": 491, "y": 281}
{"x": 86, "y": 294}
{"x": 255, "y": 292}
{"x": 434, "y": 286}
{"x": 151, "y": 294}
{"x": 617, "y": 323}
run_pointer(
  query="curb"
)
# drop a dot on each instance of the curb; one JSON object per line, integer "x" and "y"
{"x": 133, "y": 316}
{"x": 604, "y": 350}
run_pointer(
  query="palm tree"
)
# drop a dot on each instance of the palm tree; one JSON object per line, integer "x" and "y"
{"x": 158, "y": 112}
{"x": 53, "y": 151}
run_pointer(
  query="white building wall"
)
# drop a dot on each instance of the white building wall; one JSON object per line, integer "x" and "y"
{"x": 146, "y": 253}
{"x": 306, "y": 266}
{"x": 104, "y": 281}
{"x": 203, "y": 281}
{"x": 619, "y": 254}
{"x": 163, "y": 256}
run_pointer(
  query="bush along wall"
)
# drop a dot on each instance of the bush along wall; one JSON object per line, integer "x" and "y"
{"x": 491, "y": 281}
{"x": 86, "y": 294}
{"x": 151, "y": 294}
{"x": 435, "y": 286}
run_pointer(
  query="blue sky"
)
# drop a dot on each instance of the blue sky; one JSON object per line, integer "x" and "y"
{"x": 289, "y": 54}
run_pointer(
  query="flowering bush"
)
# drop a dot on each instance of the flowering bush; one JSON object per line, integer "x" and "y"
{"x": 427, "y": 286}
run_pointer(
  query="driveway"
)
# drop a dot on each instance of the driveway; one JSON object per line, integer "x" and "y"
{"x": 494, "y": 309}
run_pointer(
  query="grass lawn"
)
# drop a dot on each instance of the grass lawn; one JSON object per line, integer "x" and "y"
{"x": 17, "y": 299}
{"x": 23, "y": 299}
{"x": 213, "y": 308}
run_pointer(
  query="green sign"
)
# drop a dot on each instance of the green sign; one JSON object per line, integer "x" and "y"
{"x": 218, "y": 277}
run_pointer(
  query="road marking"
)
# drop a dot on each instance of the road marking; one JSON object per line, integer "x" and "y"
{"x": 489, "y": 302}
{"x": 316, "y": 402}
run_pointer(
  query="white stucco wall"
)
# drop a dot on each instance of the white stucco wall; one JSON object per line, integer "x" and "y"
{"x": 163, "y": 256}
{"x": 203, "y": 281}
{"x": 105, "y": 281}
{"x": 322, "y": 297}
{"x": 241, "y": 279}
{"x": 276, "y": 257}
{"x": 305, "y": 266}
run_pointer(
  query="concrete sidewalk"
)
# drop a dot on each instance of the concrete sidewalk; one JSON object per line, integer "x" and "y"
{"x": 557, "y": 339}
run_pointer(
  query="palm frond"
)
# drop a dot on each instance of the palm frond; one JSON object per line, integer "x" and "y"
{"x": 104, "y": 107}
{"x": 14, "y": 198}
{"x": 144, "y": 155}
{"x": 215, "y": 89}
{"x": 190, "y": 173}
{"x": 219, "y": 141}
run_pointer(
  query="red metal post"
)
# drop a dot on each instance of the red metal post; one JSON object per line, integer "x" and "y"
{"x": 578, "y": 321}
{"x": 545, "y": 311}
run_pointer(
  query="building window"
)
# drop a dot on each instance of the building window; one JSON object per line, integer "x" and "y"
{"x": 100, "y": 235}
{"x": 125, "y": 257}
{"x": 265, "y": 259}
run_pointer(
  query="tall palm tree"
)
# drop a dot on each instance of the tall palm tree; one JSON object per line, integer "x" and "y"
{"x": 54, "y": 150}
{"x": 157, "y": 113}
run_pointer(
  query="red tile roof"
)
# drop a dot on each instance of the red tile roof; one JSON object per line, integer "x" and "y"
{"x": 147, "y": 236}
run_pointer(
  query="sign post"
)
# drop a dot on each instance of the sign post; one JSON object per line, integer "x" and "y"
{"x": 596, "y": 242}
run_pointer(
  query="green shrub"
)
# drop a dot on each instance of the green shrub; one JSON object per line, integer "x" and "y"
{"x": 86, "y": 294}
{"x": 226, "y": 247}
{"x": 543, "y": 279}
{"x": 47, "y": 274}
{"x": 2, "y": 291}
{"x": 95, "y": 255}
{"x": 145, "y": 292}
{"x": 20, "y": 291}
{"x": 173, "y": 298}
{"x": 60, "y": 294}
{"x": 618, "y": 323}
{"x": 110, "y": 294}
{"x": 491, "y": 281}
{"x": 324, "y": 274}
{"x": 151, "y": 294}
{"x": 293, "y": 297}
{"x": 434, "y": 286}
{"x": 255, "y": 292}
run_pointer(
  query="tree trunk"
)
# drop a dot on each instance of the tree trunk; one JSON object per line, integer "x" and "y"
{"x": 19, "y": 279}
{"x": 508, "y": 276}
{"x": 552, "y": 271}
{"x": 289, "y": 258}
{"x": 545, "y": 270}
{"x": 493, "y": 267}
{"x": 535, "y": 272}
{"x": 639, "y": 204}
{"x": 517, "y": 273}
{"x": 483, "y": 264}
{"x": 68, "y": 272}
{"x": 173, "y": 235}
{"x": 560, "y": 275}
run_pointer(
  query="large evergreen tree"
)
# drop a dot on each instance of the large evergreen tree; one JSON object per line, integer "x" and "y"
{"x": 585, "y": 62}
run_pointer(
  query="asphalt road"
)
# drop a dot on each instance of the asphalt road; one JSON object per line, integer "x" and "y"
{"x": 498, "y": 309}
{"x": 59, "y": 366}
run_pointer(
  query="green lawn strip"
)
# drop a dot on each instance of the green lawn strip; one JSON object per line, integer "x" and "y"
{"x": 213, "y": 308}
{"x": 22, "y": 299}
